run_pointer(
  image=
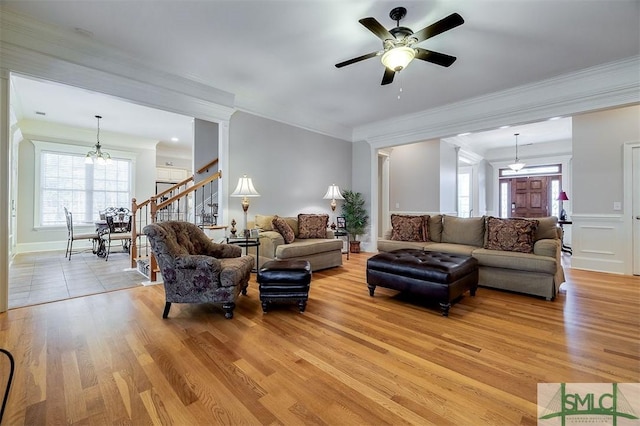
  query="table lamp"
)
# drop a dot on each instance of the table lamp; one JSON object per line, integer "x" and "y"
{"x": 563, "y": 197}
{"x": 245, "y": 189}
{"x": 333, "y": 194}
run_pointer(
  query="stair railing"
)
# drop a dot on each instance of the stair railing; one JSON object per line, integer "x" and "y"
{"x": 165, "y": 206}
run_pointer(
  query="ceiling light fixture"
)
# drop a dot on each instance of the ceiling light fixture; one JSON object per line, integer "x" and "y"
{"x": 517, "y": 165}
{"x": 398, "y": 58}
{"x": 101, "y": 157}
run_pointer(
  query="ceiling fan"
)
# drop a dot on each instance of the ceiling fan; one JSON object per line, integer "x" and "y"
{"x": 398, "y": 43}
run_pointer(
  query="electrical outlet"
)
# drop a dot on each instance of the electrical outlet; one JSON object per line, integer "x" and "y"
{"x": 397, "y": 205}
{"x": 617, "y": 205}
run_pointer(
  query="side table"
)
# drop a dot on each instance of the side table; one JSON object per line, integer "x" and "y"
{"x": 565, "y": 248}
{"x": 338, "y": 233}
{"x": 247, "y": 242}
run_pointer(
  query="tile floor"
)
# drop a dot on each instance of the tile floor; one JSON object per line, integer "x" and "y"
{"x": 48, "y": 276}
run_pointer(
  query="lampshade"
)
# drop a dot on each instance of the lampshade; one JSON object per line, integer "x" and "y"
{"x": 563, "y": 196}
{"x": 333, "y": 193}
{"x": 517, "y": 165}
{"x": 245, "y": 188}
{"x": 398, "y": 58}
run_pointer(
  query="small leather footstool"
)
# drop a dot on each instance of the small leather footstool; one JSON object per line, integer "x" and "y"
{"x": 284, "y": 281}
{"x": 440, "y": 276}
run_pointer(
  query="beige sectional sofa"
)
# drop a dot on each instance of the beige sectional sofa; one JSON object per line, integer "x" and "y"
{"x": 537, "y": 273}
{"x": 322, "y": 253}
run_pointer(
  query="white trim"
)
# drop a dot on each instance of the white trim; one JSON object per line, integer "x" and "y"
{"x": 627, "y": 187}
{"x": 599, "y": 87}
{"x": 599, "y": 243}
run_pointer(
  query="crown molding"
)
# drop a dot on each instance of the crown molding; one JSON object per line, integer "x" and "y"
{"x": 600, "y": 87}
{"x": 44, "y": 51}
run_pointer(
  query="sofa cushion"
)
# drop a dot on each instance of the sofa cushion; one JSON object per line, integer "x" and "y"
{"x": 409, "y": 227}
{"x": 391, "y": 245}
{"x": 515, "y": 260}
{"x": 463, "y": 249}
{"x": 283, "y": 228}
{"x": 513, "y": 234}
{"x": 435, "y": 228}
{"x": 308, "y": 247}
{"x": 547, "y": 228}
{"x": 463, "y": 230}
{"x": 312, "y": 225}
{"x": 265, "y": 223}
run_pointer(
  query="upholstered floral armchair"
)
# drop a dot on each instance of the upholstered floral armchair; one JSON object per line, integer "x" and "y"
{"x": 195, "y": 269}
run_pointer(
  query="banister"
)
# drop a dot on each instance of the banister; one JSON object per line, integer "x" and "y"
{"x": 153, "y": 207}
{"x": 175, "y": 186}
{"x": 189, "y": 190}
{"x": 207, "y": 166}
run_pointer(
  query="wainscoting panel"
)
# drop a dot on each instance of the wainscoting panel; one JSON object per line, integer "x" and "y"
{"x": 598, "y": 243}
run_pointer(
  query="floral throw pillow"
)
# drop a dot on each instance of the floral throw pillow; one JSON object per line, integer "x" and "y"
{"x": 513, "y": 234}
{"x": 283, "y": 228}
{"x": 409, "y": 227}
{"x": 312, "y": 225}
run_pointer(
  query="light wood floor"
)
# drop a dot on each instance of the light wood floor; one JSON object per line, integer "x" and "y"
{"x": 349, "y": 359}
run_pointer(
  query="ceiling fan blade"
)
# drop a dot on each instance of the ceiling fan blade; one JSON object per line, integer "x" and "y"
{"x": 445, "y": 24}
{"x": 434, "y": 57}
{"x": 387, "y": 78}
{"x": 358, "y": 59}
{"x": 376, "y": 27}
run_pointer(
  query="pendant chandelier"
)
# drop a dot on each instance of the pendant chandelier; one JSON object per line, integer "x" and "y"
{"x": 101, "y": 157}
{"x": 517, "y": 164}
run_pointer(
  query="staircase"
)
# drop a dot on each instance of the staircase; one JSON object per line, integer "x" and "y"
{"x": 185, "y": 201}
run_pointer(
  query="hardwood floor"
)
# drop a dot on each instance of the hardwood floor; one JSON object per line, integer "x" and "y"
{"x": 349, "y": 359}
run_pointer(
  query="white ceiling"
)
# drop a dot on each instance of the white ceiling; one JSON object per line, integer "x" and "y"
{"x": 280, "y": 55}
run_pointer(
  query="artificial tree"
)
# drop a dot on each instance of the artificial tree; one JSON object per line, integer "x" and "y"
{"x": 355, "y": 216}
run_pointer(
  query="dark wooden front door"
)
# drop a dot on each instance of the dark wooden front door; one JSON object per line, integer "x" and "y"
{"x": 529, "y": 196}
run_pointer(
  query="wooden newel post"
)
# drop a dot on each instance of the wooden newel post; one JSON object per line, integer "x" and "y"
{"x": 153, "y": 265}
{"x": 133, "y": 248}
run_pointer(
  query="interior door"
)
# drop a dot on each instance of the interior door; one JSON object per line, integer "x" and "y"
{"x": 530, "y": 196}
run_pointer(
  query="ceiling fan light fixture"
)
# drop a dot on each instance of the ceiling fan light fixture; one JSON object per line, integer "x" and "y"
{"x": 398, "y": 58}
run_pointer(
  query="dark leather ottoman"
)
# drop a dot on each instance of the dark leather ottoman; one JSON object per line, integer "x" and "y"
{"x": 440, "y": 276}
{"x": 284, "y": 281}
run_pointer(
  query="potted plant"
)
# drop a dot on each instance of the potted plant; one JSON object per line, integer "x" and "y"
{"x": 356, "y": 217}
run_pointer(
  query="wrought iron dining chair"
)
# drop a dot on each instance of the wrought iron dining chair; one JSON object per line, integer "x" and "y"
{"x": 116, "y": 232}
{"x": 73, "y": 236}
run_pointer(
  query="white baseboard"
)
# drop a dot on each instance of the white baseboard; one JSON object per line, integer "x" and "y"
{"x": 598, "y": 265}
{"x": 51, "y": 246}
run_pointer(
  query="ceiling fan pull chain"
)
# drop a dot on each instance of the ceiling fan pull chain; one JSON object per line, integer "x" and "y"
{"x": 400, "y": 84}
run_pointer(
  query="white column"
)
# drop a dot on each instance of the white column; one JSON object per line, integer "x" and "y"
{"x": 5, "y": 165}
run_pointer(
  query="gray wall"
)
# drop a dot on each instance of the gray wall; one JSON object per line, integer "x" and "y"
{"x": 290, "y": 167}
{"x": 414, "y": 177}
{"x": 448, "y": 178}
{"x": 205, "y": 146}
{"x": 423, "y": 177}
{"x": 597, "y": 158}
{"x": 485, "y": 188}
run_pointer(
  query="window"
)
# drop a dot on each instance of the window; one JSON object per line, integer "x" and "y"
{"x": 464, "y": 194}
{"x": 64, "y": 180}
{"x": 555, "y": 192}
{"x": 504, "y": 199}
